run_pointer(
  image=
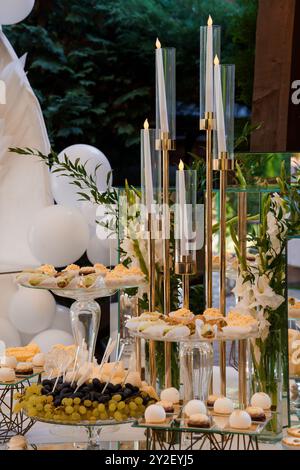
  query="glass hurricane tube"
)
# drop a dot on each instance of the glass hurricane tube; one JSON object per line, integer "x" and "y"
{"x": 85, "y": 321}
{"x": 205, "y": 81}
{"x": 166, "y": 93}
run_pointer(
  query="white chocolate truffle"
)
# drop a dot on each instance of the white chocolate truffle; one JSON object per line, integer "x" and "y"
{"x": 39, "y": 360}
{"x": 194, "y": 407}
{"x": 155, "y": 414}
{"x": 9, "y": 361}
{"x": 7, "y": 374}
{"x": 261, "y": 400}
{"x": 17, "y": 443}
{"x": 240, "y": 420}
{"x": 223, "y": 406}
{"x": 170, "y": 394}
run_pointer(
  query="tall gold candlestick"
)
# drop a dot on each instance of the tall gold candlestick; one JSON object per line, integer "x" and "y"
{"x": 242, "y": 233}
{"x": 207, "y": 125}
{"x": 166, "y": 144}
{"x": 152, "y": 360}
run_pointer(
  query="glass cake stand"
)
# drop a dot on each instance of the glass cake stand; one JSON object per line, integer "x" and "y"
{"x": 93, "y": 428}
{"x": 85, "y": 311}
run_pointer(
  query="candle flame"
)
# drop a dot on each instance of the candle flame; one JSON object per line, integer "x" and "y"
{"x": 210, "y": 21}
{"x": 216, "y": 61}
{"x": 181, "y": 166}
{"x": 158, "y": 44}
{"x": 146, "y": 124}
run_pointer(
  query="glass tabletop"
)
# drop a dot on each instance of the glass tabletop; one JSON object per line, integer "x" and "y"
{"x": 23, "y": 378}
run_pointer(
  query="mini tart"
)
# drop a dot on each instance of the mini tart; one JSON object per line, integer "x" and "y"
{"x": 47, "y": 269}
{"x": 294, "y": 432}
{"x": 72, "y": 268}
{"x": 256, "y": 413}
{"x": 199, "y": 420}
{"x": 211, "y": 400}
{"x": 182, "y": 315}
{"x": 24, "y": 368}
{"x": 167, "y": 406}
{"x": 292, "y": 442}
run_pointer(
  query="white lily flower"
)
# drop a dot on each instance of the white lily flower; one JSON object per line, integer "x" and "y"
{"x": 264, "y": 295}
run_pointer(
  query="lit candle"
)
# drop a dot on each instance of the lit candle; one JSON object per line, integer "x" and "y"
{"x": 183, "y": 210}
{"x": 220, "y": 119}
{"x": 162, "y": 99}
{"x": 209, "y": 104}
{"x": 148, "y": 168}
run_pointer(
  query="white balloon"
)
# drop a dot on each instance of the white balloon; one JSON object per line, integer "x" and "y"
{"x": 9, "y": 334}
{"x": 32, "y": 310}
{"x": 62, "y": 320}
{"x": 49, "y": 338}
{"x": 65, "y": 193}
{"x": 8, "y": 288}
{"x": 14, "y": 11}
{"x": 59, "y": 235}
{"x": 88, "y": 210}
{"x": 98, "y": 251}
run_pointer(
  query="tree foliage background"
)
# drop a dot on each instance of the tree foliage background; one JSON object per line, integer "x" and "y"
{"x": 91, "y": 64}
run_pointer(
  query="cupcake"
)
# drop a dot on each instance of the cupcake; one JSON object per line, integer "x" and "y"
{"x": 261, "y": 400}
{"x": 39, "y": 360}
{"x": 155, "y": 414}
{"x": 223, "y": 406}
{"x": 24, "y": 368}
{"x": 7, "y": 374}
{"x": 211, "y": 400}
{"x": 9, "y": 361}
{"x": 194, "y": 407}
{"x": 167, "y": 406}
{"x": 199, "y": 420}
{"x": 240, "y": 420}
{"x": 170, "y": 394}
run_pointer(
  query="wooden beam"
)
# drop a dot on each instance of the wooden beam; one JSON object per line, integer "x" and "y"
{"x": 272, "y": 82}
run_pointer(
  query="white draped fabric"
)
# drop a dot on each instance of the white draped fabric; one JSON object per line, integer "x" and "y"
{"x": 24, "y": 181}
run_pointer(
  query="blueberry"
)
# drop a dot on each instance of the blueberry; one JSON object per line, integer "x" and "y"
{"x": 92, "y": 396}
{"x": 97, "y": 385}
{"x": 66, "y": 385}
{"x": 110, "y": 388}
{"x": 135, "y": 389}
{"x": 117, "y": 388}
{"x": 104, "y": 399}
{"x": 127, "y": 392}
{"x": 45, "y": 391}
{"x": 131, "y": 387}
{"x": 57, "y": 402}
{"x": 97, "y": 396}
{"x": 47, "y": 382}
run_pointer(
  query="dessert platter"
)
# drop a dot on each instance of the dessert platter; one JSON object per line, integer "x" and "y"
{"x": 218, "y": 417}
{"x": 83, "y": 285}
{"x": 184, "y": 326}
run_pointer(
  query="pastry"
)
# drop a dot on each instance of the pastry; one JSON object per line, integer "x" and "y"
{"x": 9, "y": 361}
{"x": 100, "y": 269}
{"x": 194, "y": 407}
{"x": 223, "y": 406}
{"x": 199, "y": 420}
{"x": 7, "y": 374}
{"x": 73, "y": 268}
{"x": 170, "y": 394}
{"x": 211, "y": 400}
{"x": 177, "y": 332}
{"x": 182, "y": 315}
{"x": 261, "y": 400}
{"x": 212, "y": 315}
{"x": 240, "y": 420}
{"x": 293, "y": 443}
{"x": 241, "y": 320}
{"x": 294, "y": 432}
{"x": 256, "y": 413}
{"x": 17, "y": 443}
{"x": 39, "y": 360}
{"x": 167, "y": 406}
{"x": 47, "y": 269}
{"x": 208, "y": 331}
{"x": 155, "y": 414}
{"x": 24, "y": 368}
{"x": 64, "y": 281}
{"x": 294, "y": 308}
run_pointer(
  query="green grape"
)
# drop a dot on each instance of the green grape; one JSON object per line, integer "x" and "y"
{"x": 76, "y": 407}
{"x": 138, "y": 400}
{"x": 95, "y": 404}
{"x": 82, "y": 410}
{"x": 132, "y": 406}
{"x": 87, "y": 403}
{"x": 69, "y": 410}
{"x": 48, "y": 415}
{"x": 151, "y": 402}
{"x": 64, "y": 402}
{"x": 117, "y": 397}
{"x": 126, "y": 409}
{"x": 32, "y": 400}
{"x": 40, "y": 407}
{"x": 142, "y": 408}
{"x": 112, "y": 407}
{"x": 121, "y": 405}
{"x": 92, "y": 418}
{"x": 118, "y": 416}
{"x": 101, "y": 408}
{"x": 69, "y": 401}
{"x": 88, "y": 414}
{"x": 133, "y": 414}
{"x": 49, "y": 399}
{"x": 96, "y": 413}
{"x": 56, "y": 417}
{"x": 48, "y": 407}
{"x": 77, "y": 401}
{"x": 103, "y": 416}
{"x": 75, "y": 416}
